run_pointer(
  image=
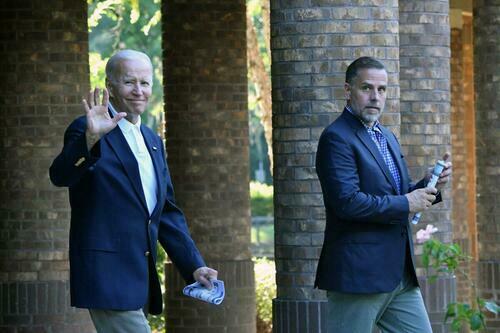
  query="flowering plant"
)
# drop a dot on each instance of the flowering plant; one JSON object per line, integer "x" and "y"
{"x": 446, "y": 258}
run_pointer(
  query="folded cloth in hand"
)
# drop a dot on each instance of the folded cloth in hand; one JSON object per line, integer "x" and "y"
{"x": 214, "y": 295}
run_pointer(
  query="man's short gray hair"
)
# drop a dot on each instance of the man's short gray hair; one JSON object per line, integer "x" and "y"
{"x": 361, "y": 63}
{"x": 122, "y": 55}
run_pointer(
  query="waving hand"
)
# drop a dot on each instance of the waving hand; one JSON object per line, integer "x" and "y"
{"x": 99, "y": 122}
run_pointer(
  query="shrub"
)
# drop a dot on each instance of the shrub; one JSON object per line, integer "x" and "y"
{"x": 265, "y": 291}
{"x": 261, "y": 196}
{"x": 157, "y": 322}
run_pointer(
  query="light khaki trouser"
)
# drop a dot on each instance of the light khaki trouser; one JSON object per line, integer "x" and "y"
{"x": 400, "y": 311}
{"x": 111, "y": 321}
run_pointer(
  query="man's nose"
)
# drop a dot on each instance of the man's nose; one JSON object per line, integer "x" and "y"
{"x": 374, "y": 95}
{"x": 137, "y": 89}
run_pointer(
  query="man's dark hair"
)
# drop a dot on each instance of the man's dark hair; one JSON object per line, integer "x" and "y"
{"x": 361, "y": 63}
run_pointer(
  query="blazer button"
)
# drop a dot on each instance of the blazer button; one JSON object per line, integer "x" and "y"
{"x": 149, "y": 221}
{"x": 146, "y": 253}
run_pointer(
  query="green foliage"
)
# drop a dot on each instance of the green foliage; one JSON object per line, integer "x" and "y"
{"x": 258, "y": 144}
{"x": 254, "y": 7}
{"x": 261, "y": 199}
{"x": 443, "y": 258}
{"x": 265, "y": 292}
{"x": 492, "y": 307}
{"x": 463, "y": 314}
{"x": 157, "y": 322}
{"x": 446, "y": 258}
{"x": 97, "y": 72}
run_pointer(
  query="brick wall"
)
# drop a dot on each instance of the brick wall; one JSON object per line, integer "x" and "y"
{"x": 43, "y": 74}
{"x": 487, "y": 78}
{"x": 487, "y": 86}
{"x": 207, "y": 143}
{"x": 488, "y": 272}
{"x": 312, "y": 44}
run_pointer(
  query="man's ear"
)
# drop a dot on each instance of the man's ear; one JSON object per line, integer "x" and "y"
{"x": 347, "y": 91}
{"x": 109, "y": 87}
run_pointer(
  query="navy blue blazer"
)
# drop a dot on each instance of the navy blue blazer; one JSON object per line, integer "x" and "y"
{"x": 367, "y": 231}
{"x": 112, "y": 241}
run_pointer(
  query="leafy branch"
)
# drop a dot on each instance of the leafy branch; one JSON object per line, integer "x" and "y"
{"x": 446, "y": 258}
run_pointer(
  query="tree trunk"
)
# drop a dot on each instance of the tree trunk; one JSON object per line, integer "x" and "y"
{"x": 260, "y": 77}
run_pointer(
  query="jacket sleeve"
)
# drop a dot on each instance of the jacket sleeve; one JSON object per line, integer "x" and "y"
{"x": 75, "y": 158}
{"x": 174, "y": 235}
{"x": 336, "y": 165}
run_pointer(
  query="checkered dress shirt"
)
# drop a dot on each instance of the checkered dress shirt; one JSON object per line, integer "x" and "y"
{"x": 381, "y": 143}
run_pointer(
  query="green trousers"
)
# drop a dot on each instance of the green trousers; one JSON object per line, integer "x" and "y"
{"x": 400, "y": 311}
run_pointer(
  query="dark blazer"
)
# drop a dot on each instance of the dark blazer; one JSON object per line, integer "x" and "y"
{"x": 113, "y": 238}
{"x": 367, "y": 231}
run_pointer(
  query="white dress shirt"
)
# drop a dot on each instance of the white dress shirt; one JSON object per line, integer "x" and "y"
{"x": 135, "y": 140}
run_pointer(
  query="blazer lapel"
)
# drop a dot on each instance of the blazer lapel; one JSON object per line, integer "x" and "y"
{"x": 372, "y": 147}
{"x": 158, "y": 164}
{"x": 122, "y": 150}
{"x": 365, "y": 138}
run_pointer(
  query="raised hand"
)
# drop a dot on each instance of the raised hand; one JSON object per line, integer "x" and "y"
{"x": 99, "y": 122}
{"x": 446, "y": 173}
{"x": 444, "y": 177}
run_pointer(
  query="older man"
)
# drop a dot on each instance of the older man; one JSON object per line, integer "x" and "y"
{"x": 122, "y": 203}
{"x": 366, "y": 263}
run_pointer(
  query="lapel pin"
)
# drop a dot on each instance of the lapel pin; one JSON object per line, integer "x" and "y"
{"x": 80, "y": 161}
{"x": 154, "y": 148}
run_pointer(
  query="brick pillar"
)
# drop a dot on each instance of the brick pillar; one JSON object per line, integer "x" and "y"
{"x": 487, "y": 86}
{"x": 312, "y": 43}
{"x": 470, "y": 133}
{"x": 470, "y": 142}
{"x": 208, "y": 154}
{"x": 463, "y": 147}
{"x": 458, "y": 128}
{"x": 425, "y": 121}
{"x": 43, "y": 74}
